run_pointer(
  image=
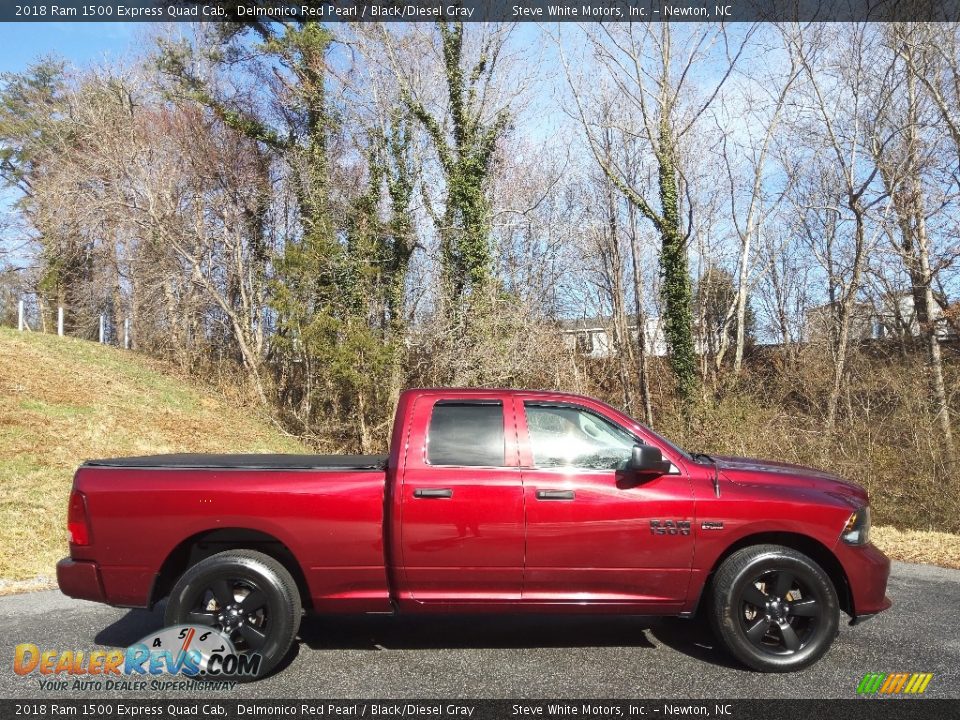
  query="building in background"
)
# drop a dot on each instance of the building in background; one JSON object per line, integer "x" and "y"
{"x": 891, "y": 316}
{"x": 594, "y": 336}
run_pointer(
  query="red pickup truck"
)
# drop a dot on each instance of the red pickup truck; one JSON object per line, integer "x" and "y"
{"x": 489, "y": 501}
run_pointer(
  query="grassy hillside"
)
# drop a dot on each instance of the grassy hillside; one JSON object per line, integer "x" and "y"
{"x": 63, "y": 401}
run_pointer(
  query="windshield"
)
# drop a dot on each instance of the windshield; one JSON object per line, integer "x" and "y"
{"x": 673, "y": 446}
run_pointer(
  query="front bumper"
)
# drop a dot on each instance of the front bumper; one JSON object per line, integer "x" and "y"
{"x": 867, "y": 570}
{"x": 80, "y": 579}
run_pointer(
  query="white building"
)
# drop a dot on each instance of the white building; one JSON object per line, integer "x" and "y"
{"x": 594, "y": 336}
{"x": 894, "y": 317}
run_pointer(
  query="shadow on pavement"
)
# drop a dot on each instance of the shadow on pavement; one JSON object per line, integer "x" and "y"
{"x": 694, "y": 639}
{"x": 471, "y": 631}
{"x": 131, "y": 627}
{"x": 366, "y": 632}
{"x": 689, "y": 637}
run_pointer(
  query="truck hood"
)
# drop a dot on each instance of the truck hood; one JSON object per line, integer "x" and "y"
{"x": 752, "y": 471}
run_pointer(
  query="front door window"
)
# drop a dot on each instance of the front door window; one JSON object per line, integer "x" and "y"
{"x": 576, "y": 438}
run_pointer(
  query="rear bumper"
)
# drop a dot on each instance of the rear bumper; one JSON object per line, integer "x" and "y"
{"x": 80, "y": 579}
{"x": 867, "y": 570}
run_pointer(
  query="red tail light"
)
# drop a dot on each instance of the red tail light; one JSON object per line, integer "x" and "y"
{"x": 78, "y": 530}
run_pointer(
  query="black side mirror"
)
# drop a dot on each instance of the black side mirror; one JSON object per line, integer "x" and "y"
{"x": 648, "y": 459}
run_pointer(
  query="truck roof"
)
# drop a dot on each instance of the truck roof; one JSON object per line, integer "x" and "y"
{"x": 472, "y": 392}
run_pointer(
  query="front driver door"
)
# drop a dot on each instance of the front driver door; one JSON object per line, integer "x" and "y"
{"x": 597, "y": 533}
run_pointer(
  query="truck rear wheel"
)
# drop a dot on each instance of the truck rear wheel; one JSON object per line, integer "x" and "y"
{"x": 246, "y": 595}
{"x": 774, "y": 608}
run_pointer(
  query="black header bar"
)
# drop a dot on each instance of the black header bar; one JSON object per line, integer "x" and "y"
{"x": 478, "y": 10}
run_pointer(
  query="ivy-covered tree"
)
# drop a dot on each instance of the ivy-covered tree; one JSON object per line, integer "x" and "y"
{"x": 650, "y": 65}
{"x": 465, "y": 142}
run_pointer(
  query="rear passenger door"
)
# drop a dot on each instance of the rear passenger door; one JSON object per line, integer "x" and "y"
{"x": 462, "y": 523}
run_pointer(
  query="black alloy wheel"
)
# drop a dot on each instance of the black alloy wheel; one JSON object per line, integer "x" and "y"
{"x": 778, "y": 612}
{"x": 774, "y": 608}
{"x": 248, "y": 596}
{"x": 236, "y": 607}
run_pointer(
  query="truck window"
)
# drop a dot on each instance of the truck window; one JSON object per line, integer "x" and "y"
{"x": 562, "y": 436}
{"x": 466, "y": 434}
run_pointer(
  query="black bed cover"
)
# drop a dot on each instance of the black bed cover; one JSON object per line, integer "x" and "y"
{"x": 245, "y": 462}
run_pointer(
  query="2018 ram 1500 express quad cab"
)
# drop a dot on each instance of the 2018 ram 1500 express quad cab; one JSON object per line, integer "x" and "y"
{"x": 490, "y": 501}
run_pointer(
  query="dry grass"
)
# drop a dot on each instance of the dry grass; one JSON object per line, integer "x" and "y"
{"x": 63, "y": 401}
{"x": 918, "y": 546}
{"x": 886, "y": 438}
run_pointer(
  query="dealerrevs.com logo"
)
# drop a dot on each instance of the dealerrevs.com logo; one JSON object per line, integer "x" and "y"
{"x": 195, "y": 653}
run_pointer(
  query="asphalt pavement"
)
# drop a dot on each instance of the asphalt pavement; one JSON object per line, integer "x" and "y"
{"x": 373, "y": 657}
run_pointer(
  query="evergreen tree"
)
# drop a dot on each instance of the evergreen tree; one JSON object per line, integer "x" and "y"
{"x": 338, "y": 286}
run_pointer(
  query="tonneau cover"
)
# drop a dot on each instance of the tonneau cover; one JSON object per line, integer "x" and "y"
{"x": 246, "y": 462}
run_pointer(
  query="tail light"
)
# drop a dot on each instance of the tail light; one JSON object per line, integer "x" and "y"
{"x": 78, "y": 528}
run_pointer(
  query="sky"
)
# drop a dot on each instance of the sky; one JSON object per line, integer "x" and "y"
{"x": 78, "y": 43}
{"x": 21, "y": 44}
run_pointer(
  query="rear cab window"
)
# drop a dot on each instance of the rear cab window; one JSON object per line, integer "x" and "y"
{"x": 466, "y": 434}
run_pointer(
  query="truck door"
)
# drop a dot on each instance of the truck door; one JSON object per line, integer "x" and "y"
{"x": 461, "y": 508}
{"x": 595, "y": 532}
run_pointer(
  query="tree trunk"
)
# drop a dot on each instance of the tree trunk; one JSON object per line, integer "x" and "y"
{"x": 742, "y": 304}
{"x": 639, "y": 295}
{"x": 908, "y": 201}
{"x": 847, "y": 309}
{"x": 928, "y": 328}
{"x": 676, "y": 277}
{"x": 614, "y": 269}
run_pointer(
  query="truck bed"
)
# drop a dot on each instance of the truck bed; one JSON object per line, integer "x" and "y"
{"x": 181, "y": 461}
{"x": 326, "y": 511}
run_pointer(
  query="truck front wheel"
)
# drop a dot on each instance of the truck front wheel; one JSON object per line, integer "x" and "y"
{"x": 247, "y": 596}
{"x": 774, "y": 608}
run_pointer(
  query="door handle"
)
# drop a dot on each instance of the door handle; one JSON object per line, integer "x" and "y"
{"x": 555, "y": 494}
{"x": 432, "y": 493}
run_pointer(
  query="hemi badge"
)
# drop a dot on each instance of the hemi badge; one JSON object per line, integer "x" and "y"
{"x": 711, "y": 525}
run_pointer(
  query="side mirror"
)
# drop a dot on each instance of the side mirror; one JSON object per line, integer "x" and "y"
{"x": 648, "y": 459}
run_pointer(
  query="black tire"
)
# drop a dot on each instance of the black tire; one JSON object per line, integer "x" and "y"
{"x": 246, "y": 595}
{"x": 774, "y": 608}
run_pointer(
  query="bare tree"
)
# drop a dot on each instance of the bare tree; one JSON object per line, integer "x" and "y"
{"x": 748, "y": 221}
{"x": 845, "y": 99}
{"x": 905, "y": 165}
{"x": 184, "y": 194}
{"x": 651, "y": 69}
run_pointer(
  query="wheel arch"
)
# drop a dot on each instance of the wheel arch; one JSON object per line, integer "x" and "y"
{"x": 203, "y": 544}
{"x": 809, "y": 546}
